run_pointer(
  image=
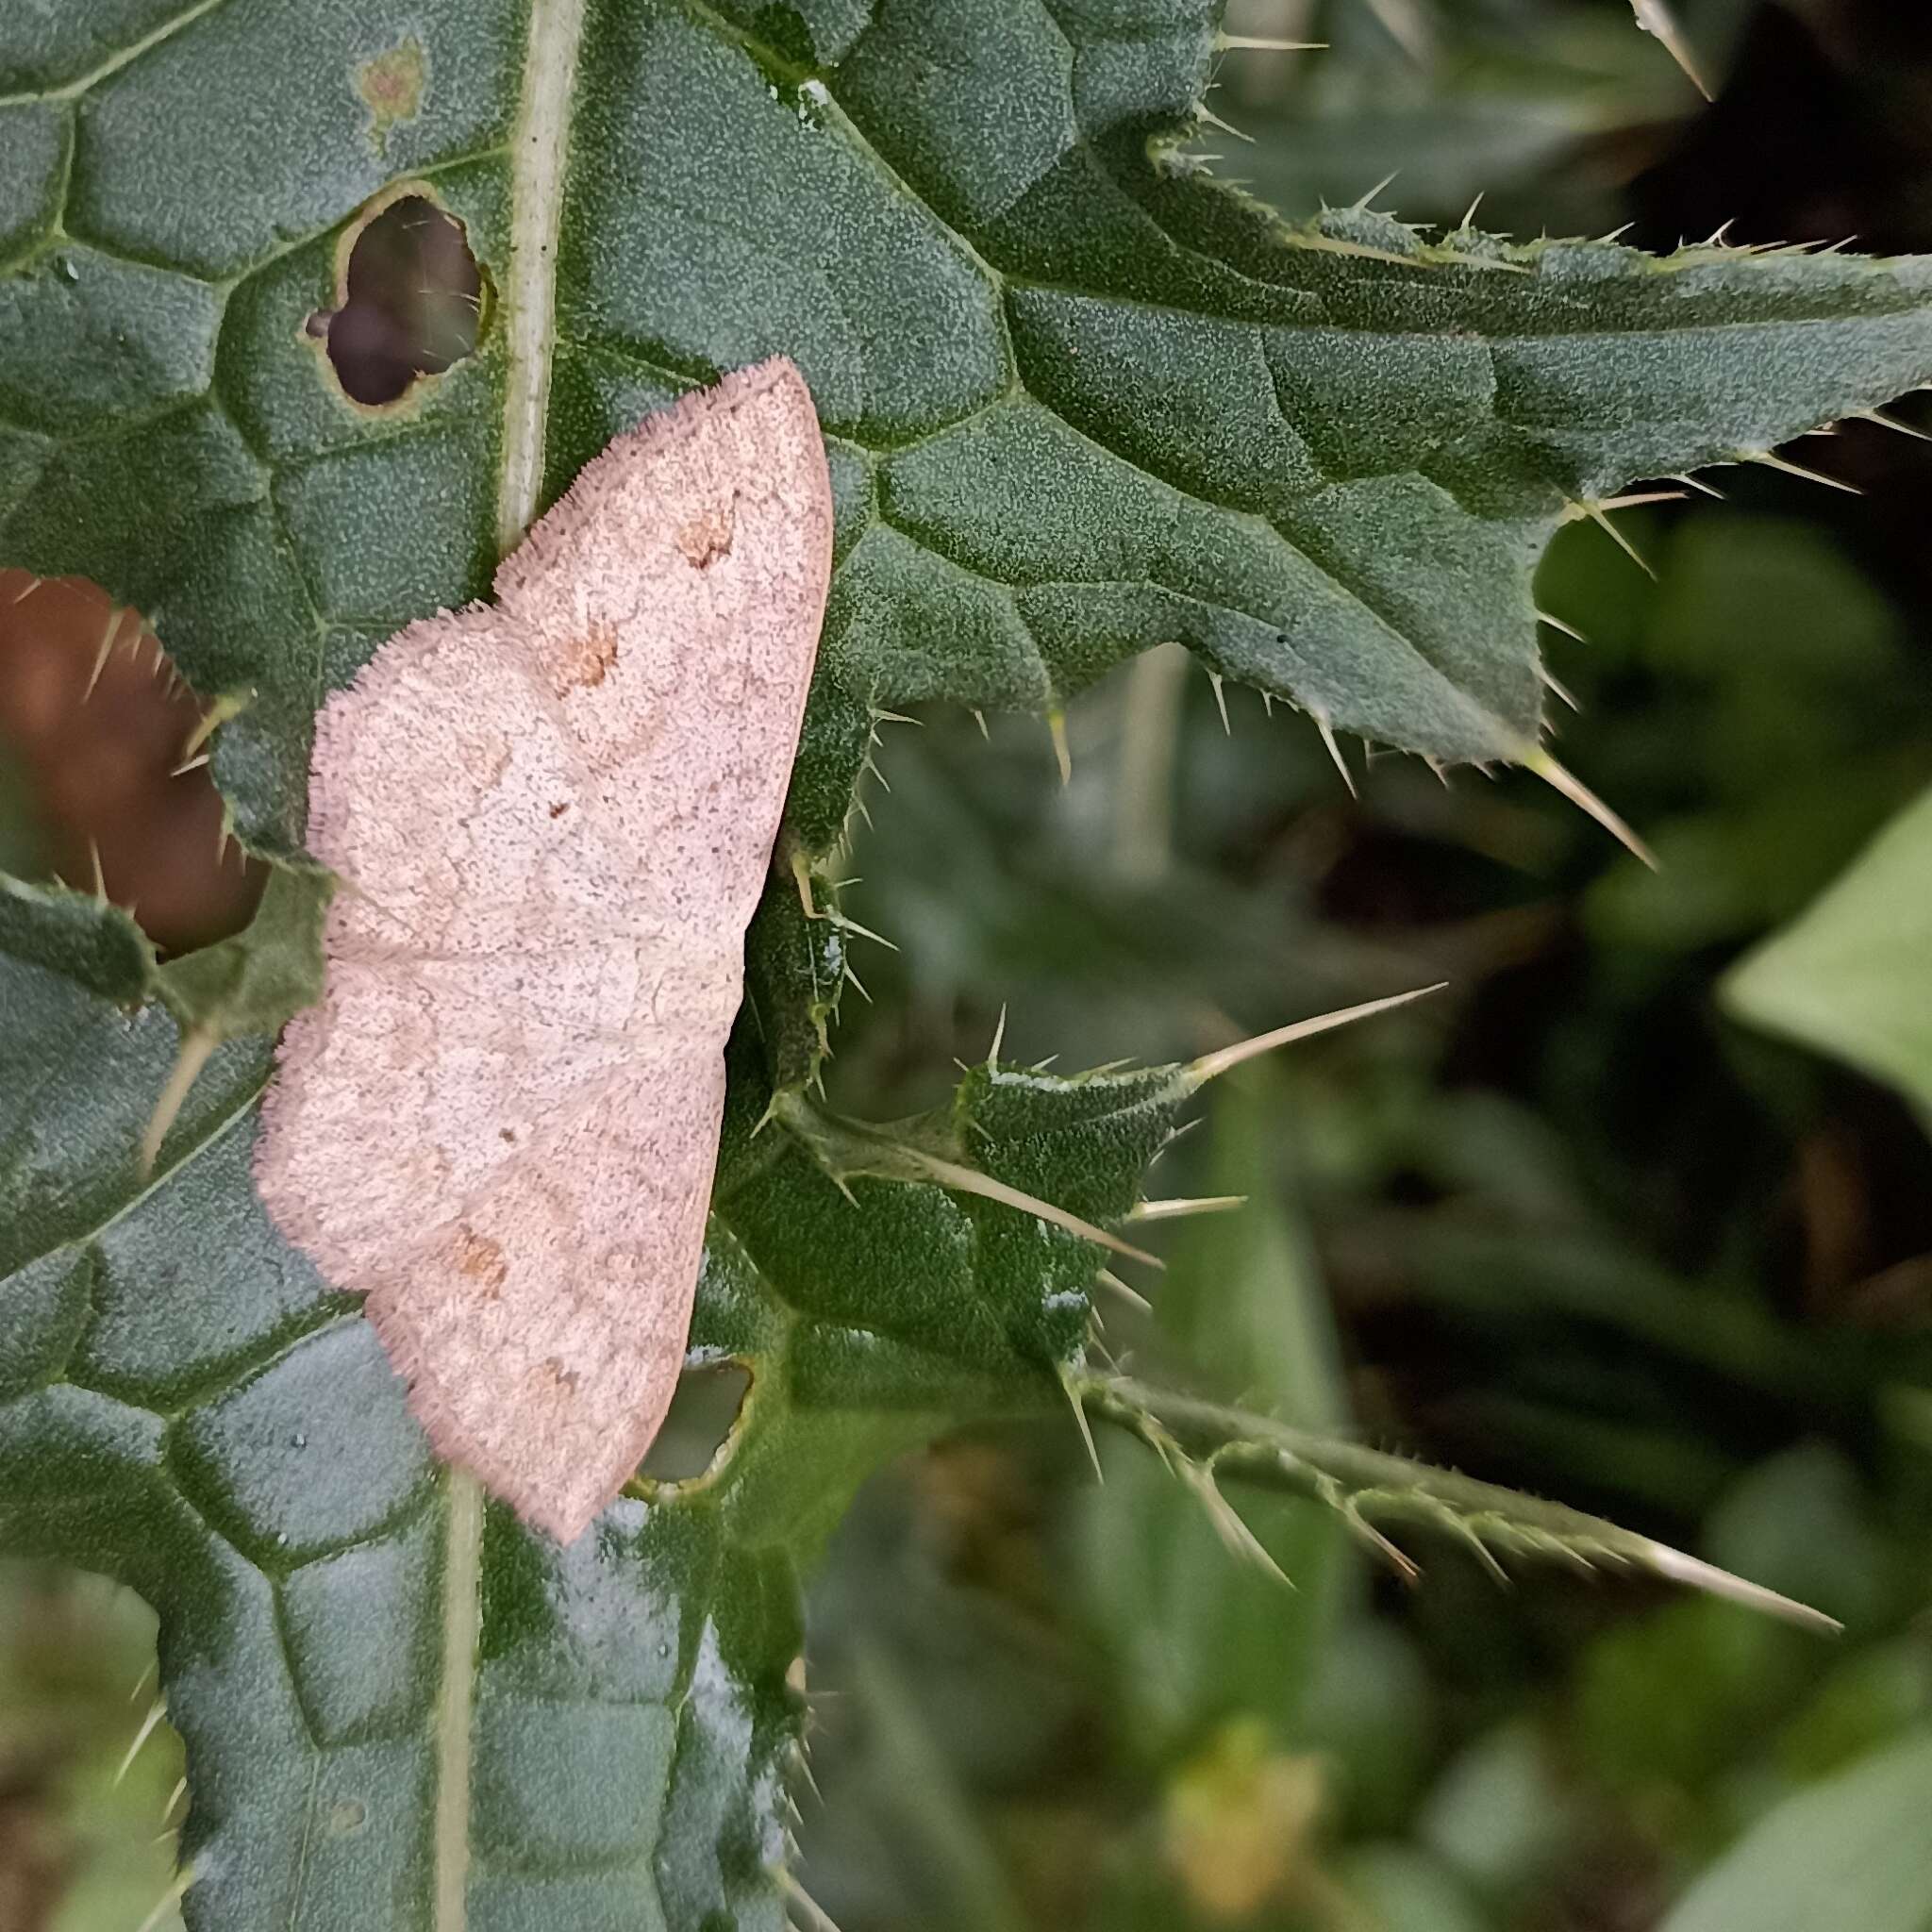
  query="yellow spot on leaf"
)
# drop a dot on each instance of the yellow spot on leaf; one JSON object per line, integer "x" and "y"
{"x": 392, "y": 87}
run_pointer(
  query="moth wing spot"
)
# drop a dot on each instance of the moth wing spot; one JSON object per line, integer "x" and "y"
{"x": 588, "y": 662}
{"x": 707, "y": 538}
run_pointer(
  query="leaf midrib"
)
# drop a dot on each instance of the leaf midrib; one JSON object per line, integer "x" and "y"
{"x": 540, "y": 144}
{"x": 539, "y": 149}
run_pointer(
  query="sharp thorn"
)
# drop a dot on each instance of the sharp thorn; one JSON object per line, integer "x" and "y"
{"x": 1701, "y": 1575}
{"x": 197, "y": 1046}
{"x": 106, "y": 651}
{"x": 1255, "y": 44}
{"x": 1892, "y": 423}
{"x": 1180, "y": 1209}
{"x": 1555, "y": 684}
{"x": 1081, "y": 1422}
{"x": 1362, "y": 206}
{"x": 1327, "y": 731}
{"x": 1211, "y": 1066}
{"x": 1578, "y": 793}
{"x": 864, "y": 932}
{"x": 1599, "y": 514}
{"x": 1771, "y": 460}
{"x": 1132, "y": 1296}
{"x": 1654, "y": 17}
{"x": 969, "y": 1180}
{"x": 1214, "y": 120}
{"x": 800, "y": 874}
{"x": 156, "y": 1711}
{"x": 168, "y": 1900}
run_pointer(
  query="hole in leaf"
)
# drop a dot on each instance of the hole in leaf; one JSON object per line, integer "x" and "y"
{"x": 103, "y": 774}
{"x": 411, "y": 303}
{"x": 703, "y": 1414}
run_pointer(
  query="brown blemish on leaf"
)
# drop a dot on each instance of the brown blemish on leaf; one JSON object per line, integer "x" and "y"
{"x": 705, "y": 538}
{"x": 391, "y": 85}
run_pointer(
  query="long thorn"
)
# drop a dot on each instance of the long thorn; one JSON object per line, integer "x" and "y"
{"x": 1654, "y": 17}
{"x": 1080, "y": 1423}
{"x": 1063, "y": 757}
{"x": 105, "y": 652}
{"x": 820, "y": 1920}
{"x": 1363, "y": 206}
{"x": 1771, "y": 460}
{"x": 1598, "y": 513}
{"x": 1211, "y": 1066}
{"x": 1213, "y": 120}
{"x": 197, "y": 1046}
{"x": 173, "y": 1896}
{"x": 969, "y": 1180}
{"x": 1181, "y": 1207}
{"x": 1327, "y": 731}
{"x": 1569, "y": 630}
{"x": 801, "y": 875}
{"x": 1556, "y": 685}
{"x": 1701, "y": 1575}
{"x": 155, "y": 1712}
{"x": 1108, "y": 1279}
{"x": 1892, "y": 423}
{"x": 1578, "y": 793}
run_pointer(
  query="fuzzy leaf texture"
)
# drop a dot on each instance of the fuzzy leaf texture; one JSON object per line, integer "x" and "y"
{"x": 1078, "y": 400}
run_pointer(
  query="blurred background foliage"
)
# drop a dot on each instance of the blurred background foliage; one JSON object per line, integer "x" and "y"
{"x": 1573, "y": 1224}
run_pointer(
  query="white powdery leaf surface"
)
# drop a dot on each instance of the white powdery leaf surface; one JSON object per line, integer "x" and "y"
{"x": 553, "y": 817}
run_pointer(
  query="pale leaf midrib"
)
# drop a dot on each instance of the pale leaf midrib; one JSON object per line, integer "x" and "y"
{"x": 538, "y": 148}
{"x": 538, "y": 151}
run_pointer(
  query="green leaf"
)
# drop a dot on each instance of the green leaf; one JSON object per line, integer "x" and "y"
{"x": 1078, "y": 399}
{"x": 185, "y": 1405}
{"x": 1853, "y": 1851}
{"x": 1200, "y": 1636}
{"x": 1850, "y": 976}
{"x": 1201, "y": 1442}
